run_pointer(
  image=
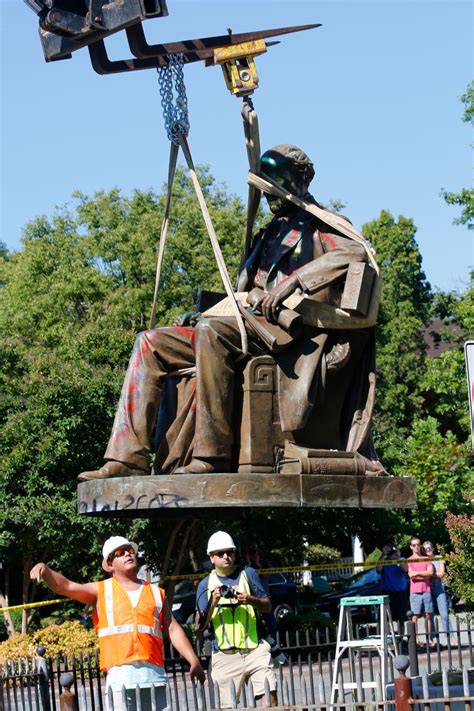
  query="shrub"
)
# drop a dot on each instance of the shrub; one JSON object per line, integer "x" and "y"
{"x": 461, "y": 560}
{"x": 68, "y": 638}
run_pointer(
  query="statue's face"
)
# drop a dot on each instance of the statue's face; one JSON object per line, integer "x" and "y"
{"x": 281, "y": 172}
{"x": 277, "y": 206}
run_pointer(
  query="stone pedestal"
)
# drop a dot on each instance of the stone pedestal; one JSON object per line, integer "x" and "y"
{"x": 154, "y": 495}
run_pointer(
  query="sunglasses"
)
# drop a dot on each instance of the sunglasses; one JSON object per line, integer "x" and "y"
{"x": 228, "y": 553}
{"x": 119, "y": 552}
{"x": 415, "y": 545}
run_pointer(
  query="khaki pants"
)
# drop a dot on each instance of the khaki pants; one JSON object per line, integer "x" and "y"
{"x": 240, "y": 667}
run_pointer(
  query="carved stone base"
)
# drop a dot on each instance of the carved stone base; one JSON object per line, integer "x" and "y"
{"x": 147, "y": 495}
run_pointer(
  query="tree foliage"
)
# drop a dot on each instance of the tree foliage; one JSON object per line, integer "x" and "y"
{"x": 71, "y": 303}
{"x": 400, "y": 345}
{"x": 465, "y": 197}
{"x": 461, "y": 559}
{"x": 441, "y": 467}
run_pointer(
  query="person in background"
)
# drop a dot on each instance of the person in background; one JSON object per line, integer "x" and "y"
{"x": 439, "y": 593}
{"x": 394, "y": 581}
{"x": 130, "y": 616}
{"x": 420, "y": 571}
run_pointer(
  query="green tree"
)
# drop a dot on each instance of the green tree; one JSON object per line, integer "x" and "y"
{"x": 71, "y": 303}
{"x": 441, "y": 467}
{"x": 461, "y": 559}
{"x": 465, "y": 197}
{"x": 444, "y": 380}
{"x": 400, "y": 346}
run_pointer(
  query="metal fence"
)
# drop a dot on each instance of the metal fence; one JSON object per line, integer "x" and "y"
{"x": 304, "y": 682}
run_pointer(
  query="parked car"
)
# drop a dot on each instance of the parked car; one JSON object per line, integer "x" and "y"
{"x": 282, "y": 588}
{"x": 363, "y": 584}
{"x": 283, "y": 595}
{"x": 184, "y": 601}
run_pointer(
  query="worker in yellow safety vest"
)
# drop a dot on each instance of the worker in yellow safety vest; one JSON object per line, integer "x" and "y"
{"x": 229, "y": 599}
{"x": 130, "y": 616}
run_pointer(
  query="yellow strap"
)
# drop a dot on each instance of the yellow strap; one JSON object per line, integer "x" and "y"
{"x": 252, "y": 142}
{"x": 214, "y": 242}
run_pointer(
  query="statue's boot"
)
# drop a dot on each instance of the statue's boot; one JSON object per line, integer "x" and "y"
{"x": 111, "y": 470}
{"x": 204, "y": 466}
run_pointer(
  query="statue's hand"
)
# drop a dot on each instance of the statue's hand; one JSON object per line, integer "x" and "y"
{"x": 189, "y": 318}
{"x": 271, "y": 302}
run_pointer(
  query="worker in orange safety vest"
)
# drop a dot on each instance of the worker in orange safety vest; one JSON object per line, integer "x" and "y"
{"x": 129, "y": 616}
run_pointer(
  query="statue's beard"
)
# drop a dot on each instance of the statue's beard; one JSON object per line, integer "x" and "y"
{"x": 280, "y": 206}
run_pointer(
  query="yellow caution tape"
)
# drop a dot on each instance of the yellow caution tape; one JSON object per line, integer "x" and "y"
{"x": 321, "y": 567}
{"x": 29, "y": 605}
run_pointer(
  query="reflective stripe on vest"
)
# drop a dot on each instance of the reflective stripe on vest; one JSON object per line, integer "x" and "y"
{"x": 235, "y": 626}
{"x": 139, "y": 637}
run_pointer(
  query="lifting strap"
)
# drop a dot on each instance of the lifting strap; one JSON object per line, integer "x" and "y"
{"x": 252, "y": 142}
{"x": 177, "y": 126}
{"x": 215, "y": 243}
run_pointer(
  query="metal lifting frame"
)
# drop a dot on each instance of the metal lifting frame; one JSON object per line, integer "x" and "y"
{"x": 68, "y": 25}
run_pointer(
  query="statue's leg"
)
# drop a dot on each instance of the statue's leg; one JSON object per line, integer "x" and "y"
{"x": 156, "y": 353}
{"x": 218, "y": 349}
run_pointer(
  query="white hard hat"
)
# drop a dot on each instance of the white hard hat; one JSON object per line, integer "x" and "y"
{"x": 219, "y": 541}
{"x": 114, "y": 542}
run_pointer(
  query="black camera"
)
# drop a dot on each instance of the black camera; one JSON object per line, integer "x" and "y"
{"x": 227, "y": 592}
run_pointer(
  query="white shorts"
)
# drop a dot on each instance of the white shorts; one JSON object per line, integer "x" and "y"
{"x": 131, "y": 699}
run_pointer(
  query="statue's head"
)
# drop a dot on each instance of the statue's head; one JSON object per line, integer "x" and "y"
{"x": 289, "y": 167}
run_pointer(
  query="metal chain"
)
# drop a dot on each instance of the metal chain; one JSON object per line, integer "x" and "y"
{"x": 175, "y": 113}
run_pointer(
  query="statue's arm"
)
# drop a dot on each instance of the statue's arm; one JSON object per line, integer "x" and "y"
{"x": 315, "y": 275}
{"x": 332, "y": 265}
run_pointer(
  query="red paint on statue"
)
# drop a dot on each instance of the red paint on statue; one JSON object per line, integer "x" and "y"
{"x": 328, "y": 240}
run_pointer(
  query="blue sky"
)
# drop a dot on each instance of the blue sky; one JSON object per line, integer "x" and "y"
{"x": 372, "y": 96}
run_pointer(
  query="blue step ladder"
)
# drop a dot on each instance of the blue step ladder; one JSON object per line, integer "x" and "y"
{"x": 347, "y": 646}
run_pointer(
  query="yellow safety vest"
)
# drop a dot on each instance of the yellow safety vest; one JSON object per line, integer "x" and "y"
{"x": 235, "y": 626}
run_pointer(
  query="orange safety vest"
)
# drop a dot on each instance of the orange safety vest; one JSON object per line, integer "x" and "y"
{"x": 126, "y": 633}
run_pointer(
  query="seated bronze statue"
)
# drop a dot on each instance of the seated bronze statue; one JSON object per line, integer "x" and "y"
{"x": 325, "y": 376}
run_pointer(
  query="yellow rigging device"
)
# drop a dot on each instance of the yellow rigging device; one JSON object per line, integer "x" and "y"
{"x": 238, "y": 65}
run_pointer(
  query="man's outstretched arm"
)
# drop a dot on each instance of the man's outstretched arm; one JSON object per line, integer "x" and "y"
{"x": 86, "y": 593}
